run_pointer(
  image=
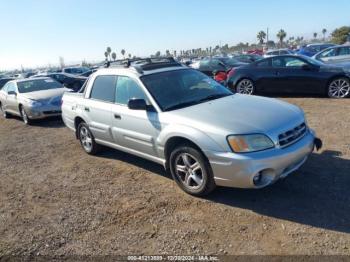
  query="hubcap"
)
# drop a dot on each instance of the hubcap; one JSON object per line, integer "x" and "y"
{"x": 339, "y": 88}
{"x": 86, "y": 139}
{"x": 189, "y": 171}
{"x": 245, "y": 87}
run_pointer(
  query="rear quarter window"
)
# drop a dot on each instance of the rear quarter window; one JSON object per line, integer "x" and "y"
{"x": 103, "y": 88}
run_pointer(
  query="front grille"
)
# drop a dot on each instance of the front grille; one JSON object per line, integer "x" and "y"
{"x": 293, "y": 135}
{"x": 53, "y": 112}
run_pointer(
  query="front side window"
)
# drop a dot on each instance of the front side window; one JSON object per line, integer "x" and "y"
{"x": 181, "y": 88}
{"x": 327, "y": 53}
{"x": 287, "y": 62}
{"x": 11, "y": 87}
{"x": 103, "y": 88}
{"x": 38, "y": 85}
{"x": 294, "y": 62}
{"x": 127, "y": 89}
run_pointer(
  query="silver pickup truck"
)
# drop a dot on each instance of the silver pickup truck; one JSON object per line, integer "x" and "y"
{"x": 201, "y": 132}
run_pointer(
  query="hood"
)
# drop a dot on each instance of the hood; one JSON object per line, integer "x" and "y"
{"x": 240, "y": 114}
{"x": 45, "y": 94}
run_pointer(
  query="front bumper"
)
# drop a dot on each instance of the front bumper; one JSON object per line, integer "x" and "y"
{"x": 43, "y": 111}
{"x": 238, "y": 170}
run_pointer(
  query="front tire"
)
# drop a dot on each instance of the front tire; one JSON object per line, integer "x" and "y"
{"x": 24, "y": 115}
{"x": 87, "y": 140}
{"x": 191, "y": 171}
{"x": 339, "y": 88}
{"x": 245, "y": 86}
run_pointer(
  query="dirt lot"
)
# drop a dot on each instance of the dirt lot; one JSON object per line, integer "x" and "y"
{"x": 57, "y": 200}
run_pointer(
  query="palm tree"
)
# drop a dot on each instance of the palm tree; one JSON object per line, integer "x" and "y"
{"x": 167, "y": 52}
{"x": 315, "y": 35}
{"x": 114, "y": 56}
{"x": 158, "y": 54}
{"x": 261, "y": 37}
{"x": 109, "y": 51}
{"x": 324, "y": 31}
{"x": 129, "y": 55}
{"x": 123, "y": 53}
{"x": 106, "y": 55}
{"x": 281, "y": 35}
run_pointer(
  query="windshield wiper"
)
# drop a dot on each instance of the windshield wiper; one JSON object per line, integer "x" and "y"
{"x": 212, "y": 97}
{"x": 194, "y": 102}
{"x": 181, "y": 105}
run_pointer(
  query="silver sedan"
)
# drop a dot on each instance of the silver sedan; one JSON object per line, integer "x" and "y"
{"x": 32, "y": 98}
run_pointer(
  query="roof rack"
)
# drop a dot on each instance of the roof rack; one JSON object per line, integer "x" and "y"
{"x": 144, "y": 64}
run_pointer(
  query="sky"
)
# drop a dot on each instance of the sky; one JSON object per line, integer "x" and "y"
{"x": 37, "y": 32}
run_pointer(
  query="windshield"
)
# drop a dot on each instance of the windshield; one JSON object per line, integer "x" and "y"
{"x": 181, "y": 88}
{"x": 37, "y": 85}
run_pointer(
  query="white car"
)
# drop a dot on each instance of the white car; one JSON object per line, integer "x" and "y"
{"x": 334, "y": 54}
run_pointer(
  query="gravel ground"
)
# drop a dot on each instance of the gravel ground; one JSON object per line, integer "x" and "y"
{"x": 57, "y": 200}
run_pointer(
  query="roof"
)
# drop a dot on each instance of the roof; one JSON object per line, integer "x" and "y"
{"x": 29, "y": 79}
{"x": 133, "y": 71}
{"x": 144, "y": 66}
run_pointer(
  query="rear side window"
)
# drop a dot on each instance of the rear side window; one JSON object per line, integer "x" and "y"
{"x": 103, "y": 88}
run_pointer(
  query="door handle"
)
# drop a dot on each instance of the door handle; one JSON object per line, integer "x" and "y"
{"x": 87, "y": 109}
{"x": 117, "y": 116}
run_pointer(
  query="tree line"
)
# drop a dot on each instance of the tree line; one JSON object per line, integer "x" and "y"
{"x": 338, "y": 36}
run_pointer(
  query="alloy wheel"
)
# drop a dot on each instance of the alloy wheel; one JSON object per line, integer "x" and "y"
{"x": 245, "y": 87}
{"x": 339, "y": 88}
{"x": 189, "y": 171}
{"x": 86, "y": 139}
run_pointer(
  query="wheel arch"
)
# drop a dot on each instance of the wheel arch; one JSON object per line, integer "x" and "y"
{"x": 77, "y": 121}
{"x": 176, "y": 141}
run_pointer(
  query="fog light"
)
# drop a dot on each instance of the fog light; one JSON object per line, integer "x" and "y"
{"x": 257, "y": 179}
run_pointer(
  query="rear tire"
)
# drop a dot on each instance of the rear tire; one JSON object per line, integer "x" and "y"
{"x": 191, "y": 170}
{"x": 339, "y": 88}
{"x": 4, "y": 113}
{"x": 87, "y": 140}
{"x": 245, "y": 86}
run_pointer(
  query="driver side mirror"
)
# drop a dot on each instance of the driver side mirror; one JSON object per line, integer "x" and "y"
{"x": 137, "y": 104}
{"x": 13, "y": 93}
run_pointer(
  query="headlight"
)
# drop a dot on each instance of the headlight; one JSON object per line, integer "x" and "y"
{"x": 249, "y": 143}
{"x": 32, "y": 103}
